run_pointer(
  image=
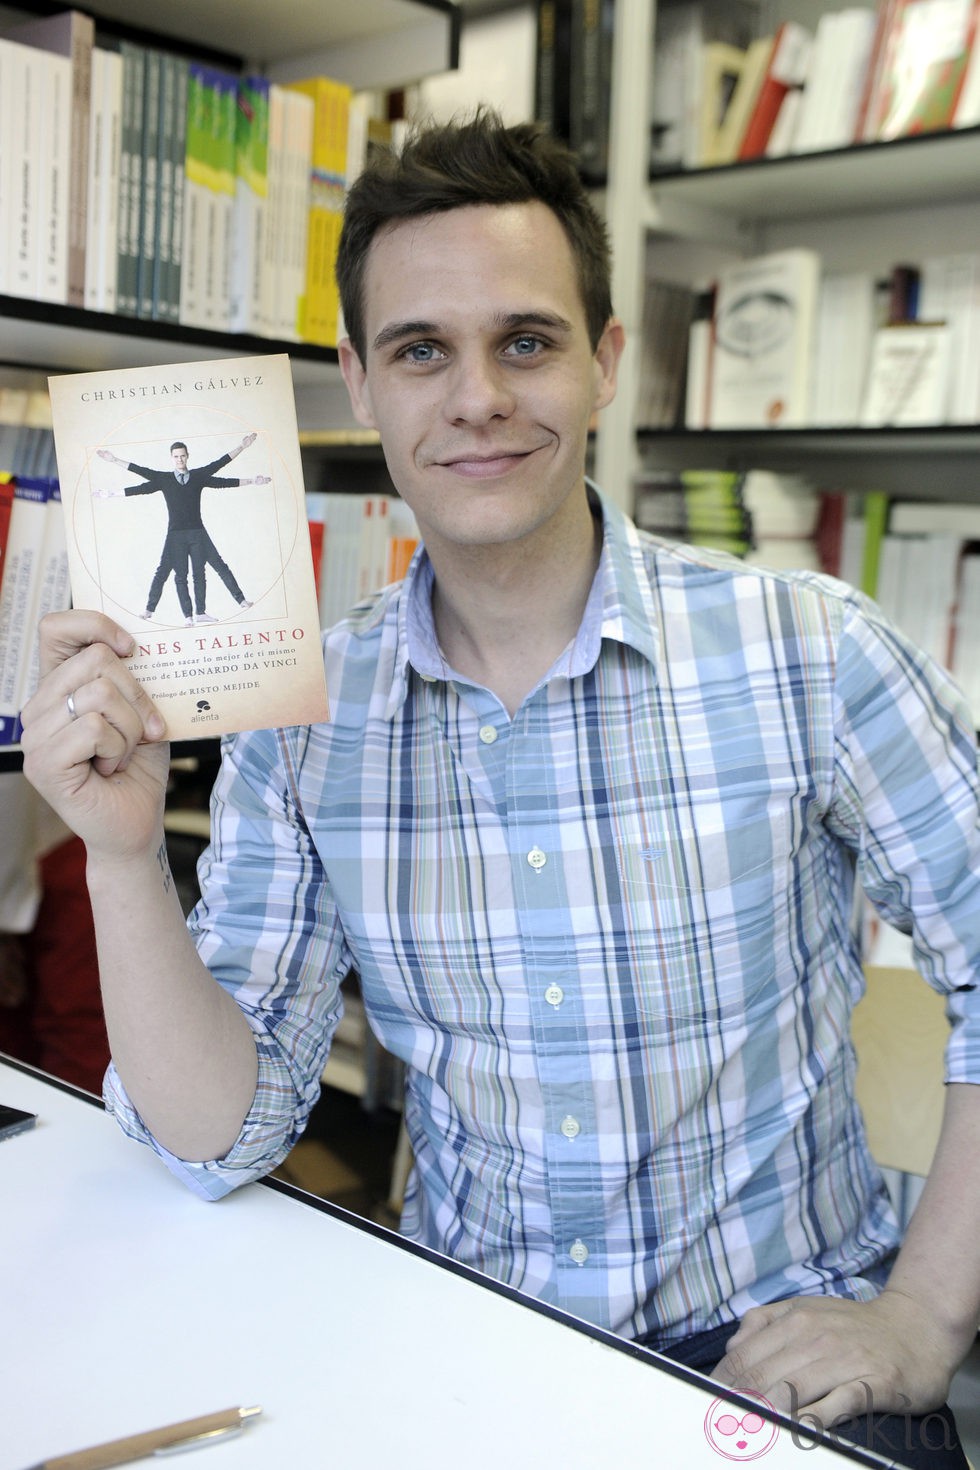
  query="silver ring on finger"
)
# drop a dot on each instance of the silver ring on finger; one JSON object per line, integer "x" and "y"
{"x": 70, "y": 706}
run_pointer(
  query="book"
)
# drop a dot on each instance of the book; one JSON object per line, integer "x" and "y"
{"x": 908, "y": 376}
{"x": 720, "y": 68}
{"x": 844, "y": 332}
{"x": 22, "y": 564}
{"x": 251, "y": 198}
{"x": 731, "y": 133}
{"x": 590, "y": 67}
{"x": 21, "y": 100}
{"x": 785, "y": 67}
{"x": 71, "y": 35}
{"x": 834, "y": 84}
{"x": 552, "y": 73}
{"x": 949, "y": 291}
{"x": 319, "y": 302}
{"x": 130, "y": 218}
{"x": 765, "y": 314}
{"x": 54, "y": 159}
{"x": 926, "y": 55}
{"x": 247, "y": 653}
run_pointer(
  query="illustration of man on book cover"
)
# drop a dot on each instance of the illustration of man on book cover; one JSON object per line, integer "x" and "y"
{"x": 211, "y": 572}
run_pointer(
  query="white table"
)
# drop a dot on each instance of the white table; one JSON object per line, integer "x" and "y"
{"x": 127, "y": 1303}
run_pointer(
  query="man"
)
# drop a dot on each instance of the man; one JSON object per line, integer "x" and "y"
{"x": 586, "y": 819}
{"x": 187, "y": 543}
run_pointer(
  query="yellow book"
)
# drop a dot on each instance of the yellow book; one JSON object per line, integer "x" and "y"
{"x": 319, "y": 308}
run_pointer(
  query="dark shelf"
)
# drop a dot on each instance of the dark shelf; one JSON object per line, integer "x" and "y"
{"x": 941, "y": 463}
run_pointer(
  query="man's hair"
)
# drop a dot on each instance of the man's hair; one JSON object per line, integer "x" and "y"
{"x": 178, "y": 444}
{"x": 471, "y": 162}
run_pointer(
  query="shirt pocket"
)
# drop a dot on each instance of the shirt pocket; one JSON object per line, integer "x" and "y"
{"x": 705, "y": 895}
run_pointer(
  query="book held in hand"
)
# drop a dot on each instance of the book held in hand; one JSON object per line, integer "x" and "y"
{"x": 186, "y": 523}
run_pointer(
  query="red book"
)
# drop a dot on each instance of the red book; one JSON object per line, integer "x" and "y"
{"x": 786, "y": 69}
{"x": 6, "y": 506}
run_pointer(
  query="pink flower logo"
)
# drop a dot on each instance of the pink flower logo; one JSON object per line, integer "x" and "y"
{"x": 739, "y": 1434}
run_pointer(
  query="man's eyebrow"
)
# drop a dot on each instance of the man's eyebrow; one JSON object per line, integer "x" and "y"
{"x": 503, "y": 321}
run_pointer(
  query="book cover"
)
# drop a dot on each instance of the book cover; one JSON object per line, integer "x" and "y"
{"x": 908, "y": 377}
{"x": 728, "y": 144}
{"x": 212, "y": 575}
{"x": 765, "y": 313}
{"x": 927, "y": 52}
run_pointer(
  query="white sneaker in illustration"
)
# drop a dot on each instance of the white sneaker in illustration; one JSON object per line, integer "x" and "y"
{"x": 205, "y": 618}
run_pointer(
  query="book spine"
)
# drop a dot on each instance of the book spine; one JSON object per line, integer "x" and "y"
{"x": 82, "y": 47}
{"x": 591, "y": 75}
{"x": 54, "y": 157}
{"x": 162, "y": 306}
{"x": 195, "y": 199}
{"x": 130, "y": 179}
{"x": 97, "y": 181}
{"x": 149, "y": 166}
{"x": 178, "y": 150}
{"x": 21, "y": 566}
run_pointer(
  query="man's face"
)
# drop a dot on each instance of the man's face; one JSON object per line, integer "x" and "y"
{"x": 479, "y": 375}
{"x": 179, "y": 457}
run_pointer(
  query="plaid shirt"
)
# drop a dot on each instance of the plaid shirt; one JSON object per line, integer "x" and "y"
{"x": 611, "y": 938}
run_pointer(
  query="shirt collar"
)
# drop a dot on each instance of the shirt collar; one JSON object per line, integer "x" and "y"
{"x": 620, "y": 607}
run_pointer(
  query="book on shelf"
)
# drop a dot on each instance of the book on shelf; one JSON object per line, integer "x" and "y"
{"x": 692, "y": 81}
{"x": 552, "y": 66}
{"x": 590, "y": 85}
{"x": 64, "y": 144}
{"x": 366, "y": 542}
{"x": 786, "y": 58}
{"x": 834, "y": 84}
{"x": 320, "y": 303}
{"x": 33, "y": 582}
{"x": 908, "y": 376}
{"x": 846, "y": 320}
{"x": 949, "y": 291}
{"x": 924, "y": 62}
{"x": 251, "y": 204}
{"x": 700, "y": 354}
{"x": 213, "y": 577}
{"x": 668, "y": 312}
{"x": 748, "y": 85}
{"x": 765, "y": 313}
{"x": 699, "y": 507}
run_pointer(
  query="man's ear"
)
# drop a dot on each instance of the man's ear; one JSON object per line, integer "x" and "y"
{"x": 607, "y": 354}
{"x": 356, "y": 380}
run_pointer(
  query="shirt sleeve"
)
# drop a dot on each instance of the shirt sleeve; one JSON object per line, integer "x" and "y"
{"x": 906, "y": 799}
{"x": 268, "y": 930}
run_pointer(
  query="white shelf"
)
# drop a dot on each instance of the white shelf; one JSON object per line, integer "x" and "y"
{"x": 929, "y": 169}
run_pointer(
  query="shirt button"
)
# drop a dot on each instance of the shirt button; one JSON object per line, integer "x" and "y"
{"x": 554, "y": 995}
{"x": 427, "y": 678}
{"x": 571, "y": 1127}
{"x": 487, "y": 734}
{"x": 579, "y": 1252}
{"x": 537, "y": 859}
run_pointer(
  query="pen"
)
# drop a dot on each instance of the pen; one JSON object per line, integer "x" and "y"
{"x": 190, "y": 1434}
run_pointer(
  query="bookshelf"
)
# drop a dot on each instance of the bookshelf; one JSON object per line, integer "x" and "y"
{"x": 858, "y": 207}
{"x": 368, "y": 43}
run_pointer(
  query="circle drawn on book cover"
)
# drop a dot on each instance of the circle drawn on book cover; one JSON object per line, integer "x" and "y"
{"x": 754, "y": 323}
{"x": 124, "y": 541}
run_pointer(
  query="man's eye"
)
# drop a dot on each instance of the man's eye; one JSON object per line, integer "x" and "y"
{"x": 421, "y": 352}
{"x": 526, "y": 345}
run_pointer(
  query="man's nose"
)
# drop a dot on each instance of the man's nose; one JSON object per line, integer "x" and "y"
{"x": 479, "y": 390}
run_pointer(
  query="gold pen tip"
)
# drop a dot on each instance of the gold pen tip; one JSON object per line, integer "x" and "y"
{"x": 250, "y": 1413}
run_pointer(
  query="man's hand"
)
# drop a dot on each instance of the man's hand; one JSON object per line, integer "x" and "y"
{"x": 249, "y": 439}
{"x": 106, "y": 494}
{"x": 833, "y": 1358}
{"x": 108, "y": 455}
{"x": 91, "y": 736}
